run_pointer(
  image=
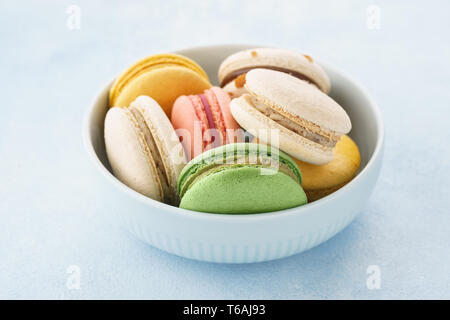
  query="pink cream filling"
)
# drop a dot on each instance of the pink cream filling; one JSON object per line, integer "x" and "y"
{"x": 208, "y": 112}
{"x": 214, "y": 115}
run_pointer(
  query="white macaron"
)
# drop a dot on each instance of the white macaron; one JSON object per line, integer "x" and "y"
{"x": 143, "y": 149}
{"x": 233, "y": 69}
{"x": 281, "y": 109}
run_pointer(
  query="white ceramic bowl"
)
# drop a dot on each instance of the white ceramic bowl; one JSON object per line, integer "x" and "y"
{"x": 256, "y": 237}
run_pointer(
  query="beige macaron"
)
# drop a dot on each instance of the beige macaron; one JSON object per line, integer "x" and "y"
{"x": 290, "y": 114}
{"x": 143, "y": 149}
{"x": 233, "y": 69}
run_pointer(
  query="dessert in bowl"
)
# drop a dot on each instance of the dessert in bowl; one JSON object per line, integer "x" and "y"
{"x": 243, "y": 238}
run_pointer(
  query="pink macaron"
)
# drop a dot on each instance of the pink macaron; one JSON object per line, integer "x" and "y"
{"x": 204, "y": 121}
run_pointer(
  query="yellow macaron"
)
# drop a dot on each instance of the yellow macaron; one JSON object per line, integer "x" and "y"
{"x": 321, "y": 180}
{"x": 164, "y": 77}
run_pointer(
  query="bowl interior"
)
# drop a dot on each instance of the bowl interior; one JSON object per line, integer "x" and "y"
{"x": 366, "y": 123}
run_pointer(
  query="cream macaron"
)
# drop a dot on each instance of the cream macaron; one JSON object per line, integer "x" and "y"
{"x": 233, "y": 69}
{"x": 290, "y": 114}
{"x": 143, "y": 149}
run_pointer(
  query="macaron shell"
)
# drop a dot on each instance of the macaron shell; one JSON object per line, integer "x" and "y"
{"x": 164, "y": 84}
{"x": 188, "y": 126}
{"x": 149, "y": 64}
{"x": 233, "y": 91}
{"x": 243, "y": 190}
{"x": 281, "y": 58}
{"x": 249, "y": 152}
{"x": 319, "y": 181}
{"x": 266, "y": 130}
{"x": 296, "y": 98}
{"x": 130, "y": 161}
{"x": 167, "y": 141}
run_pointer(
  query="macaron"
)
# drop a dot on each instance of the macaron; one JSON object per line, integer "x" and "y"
{"x": 320, "y": 181}
{"x": 164, "y": 77}
{"x": 144, "y": 150}
{"x": 233, "y": 69}
{"x": 241, "y": 178}
{"x": 204, "y": 121}
{"x": 290, "y": 114}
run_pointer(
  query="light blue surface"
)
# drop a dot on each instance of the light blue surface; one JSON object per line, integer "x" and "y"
{"x": 55, "y": 214}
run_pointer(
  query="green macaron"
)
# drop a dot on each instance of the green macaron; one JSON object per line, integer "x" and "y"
{"x": 241, "y": 178}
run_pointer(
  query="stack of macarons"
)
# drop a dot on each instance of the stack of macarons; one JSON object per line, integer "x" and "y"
{"x": 172, "y": 136}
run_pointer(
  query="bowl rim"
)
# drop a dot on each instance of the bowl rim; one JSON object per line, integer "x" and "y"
{"x": 185, "y": 213}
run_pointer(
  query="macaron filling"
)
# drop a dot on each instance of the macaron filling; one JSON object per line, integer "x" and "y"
{"x": 207, "y": 109}
{"x": 236, "y": 75}
{"x": 210, "y": 115}
{"x": 326, "y": 139}
{"x": 152, "y": 148}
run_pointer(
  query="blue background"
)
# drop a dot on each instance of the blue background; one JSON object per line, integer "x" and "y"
{"x": 54, "y": 212}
